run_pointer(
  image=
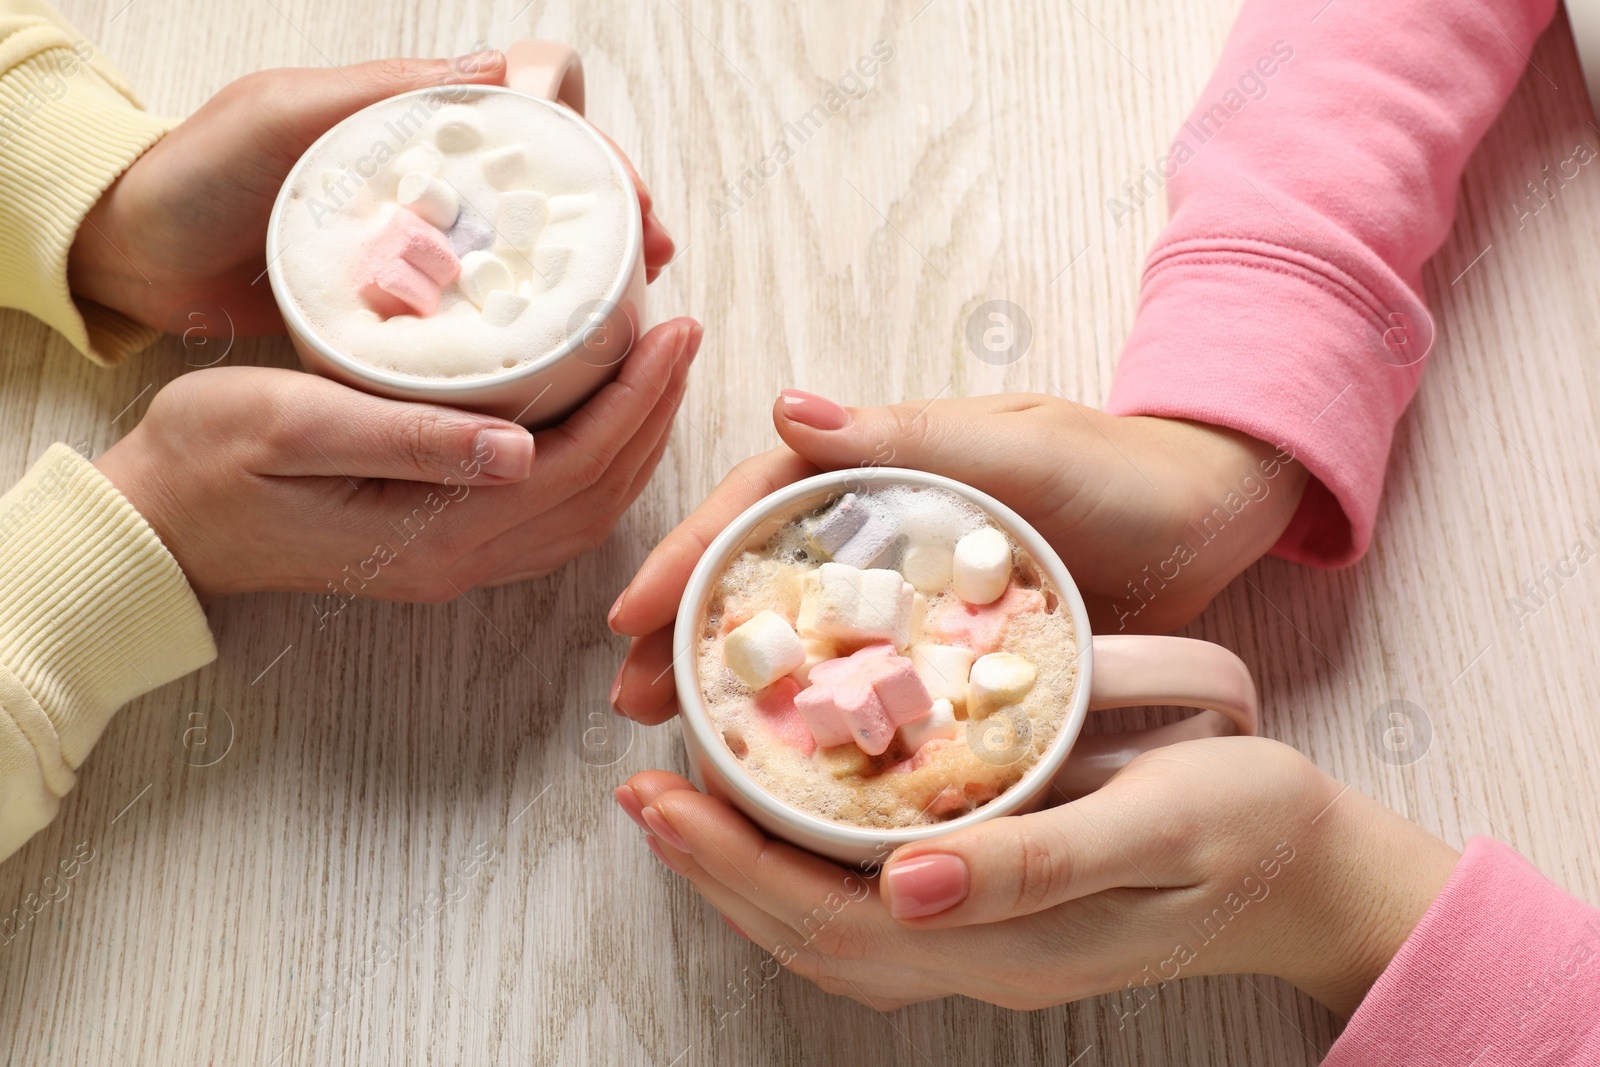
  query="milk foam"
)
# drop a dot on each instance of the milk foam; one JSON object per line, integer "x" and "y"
{"x": 953, "y": 777}
{"x": 345, "y": 192}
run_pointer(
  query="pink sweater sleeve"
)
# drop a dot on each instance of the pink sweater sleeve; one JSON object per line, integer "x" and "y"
{"x": 1313, "y": 180}
{"x": 1503, "y": 969}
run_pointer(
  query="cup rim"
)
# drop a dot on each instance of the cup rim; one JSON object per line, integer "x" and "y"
{"x": 295, "y": 319}
{"x": 697, "y": 720}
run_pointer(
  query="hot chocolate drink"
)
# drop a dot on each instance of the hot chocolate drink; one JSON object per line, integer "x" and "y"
{"x": 891, "y": 659}
{"x": 454, "y": 238}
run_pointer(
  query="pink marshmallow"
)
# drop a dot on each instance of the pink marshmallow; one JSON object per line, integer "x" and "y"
{"x": 981, "y": 627}
{"x": 776, "y": 703}
{"x": 862, "y": 698}
{"x": 408, "y": 265}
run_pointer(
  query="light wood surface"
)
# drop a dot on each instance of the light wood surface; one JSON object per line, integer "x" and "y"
{"x": 372, "y": 758}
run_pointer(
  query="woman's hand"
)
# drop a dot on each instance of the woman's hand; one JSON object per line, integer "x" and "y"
{"x": 1222, "y": 856}
{"x": 1152, "y": 516}
{"x": 259, "y": 479}
{"x": 185, "y": 228}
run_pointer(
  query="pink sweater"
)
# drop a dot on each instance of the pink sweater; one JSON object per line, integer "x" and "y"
{"x": 1308, "y": 188}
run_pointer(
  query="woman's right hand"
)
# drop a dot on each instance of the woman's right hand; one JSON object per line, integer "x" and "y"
{"x": 259, "y": 479}
{"x": 1153, "y": 516}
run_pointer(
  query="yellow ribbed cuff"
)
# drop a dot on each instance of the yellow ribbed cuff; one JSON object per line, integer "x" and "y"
{"x": 94, "y": 611}
{"x": 66, "y": 133}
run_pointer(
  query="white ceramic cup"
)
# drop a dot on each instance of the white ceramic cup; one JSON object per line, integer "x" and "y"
{"x": 549, "y": 389}
{"x": 1113, "y": 672}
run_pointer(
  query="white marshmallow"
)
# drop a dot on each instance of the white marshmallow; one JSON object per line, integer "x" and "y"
{"x": 998, "y": 679}
{"x": 501, "y": 307}
{"x": 429, "y": 199}
{"x": 817, "y": 649}
{"x": 763, "y": 649}
{"x": 459, "y": 130}
{"x": 913, "y": 629}
{"x": 940, "y": 722}
{"x": 483, "y": 273}
{"x": 571, "y": 206}
{"x": 856, "y": 606}
{"x": 520, "y": 216}
{"x": 980, "y": 569}
{"x": 419, "y": 157}
{"x": 507, "y": 168}
{"x": 927, "y": 566}
{"x": 550, "y": 263}
{"x": 944, "y": 670}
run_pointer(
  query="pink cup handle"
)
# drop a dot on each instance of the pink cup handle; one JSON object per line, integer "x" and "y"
{"x": 1131, "y": 672}
{"x": 547, "y": 69}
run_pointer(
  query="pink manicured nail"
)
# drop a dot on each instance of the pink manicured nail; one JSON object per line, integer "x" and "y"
{"x": 926, "y": 885}
{"x": 616, "y": 606}
{"x": 663, "y": 829}
{"x": 506, "y": 453}
{"x": 696, "y": 333}
{"x": 809, "y": 409}
{"x": 616, "y": 688}
{"x": 655, "y": 846}
{"x": 629, "y": 801}
{"x": 475, "y": 62}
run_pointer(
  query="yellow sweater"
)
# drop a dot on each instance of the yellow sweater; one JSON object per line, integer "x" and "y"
{"x": 93, "y": 609}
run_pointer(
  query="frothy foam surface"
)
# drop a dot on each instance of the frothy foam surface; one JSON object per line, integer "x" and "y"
{"x": 529, "y": 187}
{"x": 943, "y": 779}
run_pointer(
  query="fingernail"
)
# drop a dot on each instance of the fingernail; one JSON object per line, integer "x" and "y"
{"x": 696, "y": 332}
{"x": 926, "y": 885}
{"x": 477, "y": 62}
{"x": 664, "y": 232}
{"x": 616, "y": 606}
{"x": 655, "y": 846}
{"x": 629, "y": 801}
{"x": 506, "y": 453}
{"x": 815, "y": 411}
{"x": 616, "y": 688}
{"x": 663, "y": 829}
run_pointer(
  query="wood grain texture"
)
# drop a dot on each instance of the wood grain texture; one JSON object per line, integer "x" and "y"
{"x": 374, "y": 758}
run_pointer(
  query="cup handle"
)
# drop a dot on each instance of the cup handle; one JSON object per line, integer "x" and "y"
{"x": 1131, "y": 672}
{"x": 546, "y": 68}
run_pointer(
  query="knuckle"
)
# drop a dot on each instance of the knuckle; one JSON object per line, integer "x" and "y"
{"x": 420, "y": 434}
{"x": 805, "y": 965}
{"x": 402, "y": 70}
{"x": 592, "y": 467}
{"x": 846, "y": 942}
{"x": 909, "y": 424}
{"x": 1041, "y": 869}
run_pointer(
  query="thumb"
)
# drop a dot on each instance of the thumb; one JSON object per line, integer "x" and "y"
{"x": 979, "y": 440}
{"x": 314, "y": 100}
{"x": 1016, "y": 866}
{"x": 309, "y": 426}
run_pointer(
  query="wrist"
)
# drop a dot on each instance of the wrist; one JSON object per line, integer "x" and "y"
{"x": 1247, "y": 488}
{"x": 98, "y": 264}
{"x": 125, "y": 466}
{"x": 1372, "y": 875}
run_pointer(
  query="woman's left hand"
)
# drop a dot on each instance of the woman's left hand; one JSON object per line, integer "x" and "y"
{"x": 1229, "y": 855}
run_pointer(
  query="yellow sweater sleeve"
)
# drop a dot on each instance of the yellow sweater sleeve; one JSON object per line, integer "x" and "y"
{"x": 69, "y": 127}
{"x": 94, "y": 611}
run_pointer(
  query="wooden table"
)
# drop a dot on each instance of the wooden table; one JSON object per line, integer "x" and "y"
{"x": 363, "y": 763}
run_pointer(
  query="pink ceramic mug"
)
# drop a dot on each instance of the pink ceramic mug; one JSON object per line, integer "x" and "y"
{"x": 1113, "y": 672}
{"x": 539, "y": 393}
